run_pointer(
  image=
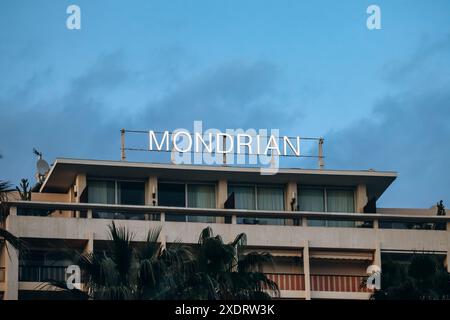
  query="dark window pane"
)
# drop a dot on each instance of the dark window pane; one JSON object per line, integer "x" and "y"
{"x": 176, "y": 217}
{"x": 131, "y": 193}
{"x": 101, "y": 192}
{"x": 171, "y": 194}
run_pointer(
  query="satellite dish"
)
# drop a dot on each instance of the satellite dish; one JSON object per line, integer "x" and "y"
{"x": 42, "y": 167}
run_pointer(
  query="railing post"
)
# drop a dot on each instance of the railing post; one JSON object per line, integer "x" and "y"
{"x": 122, "y": 145}
{"x": 304, "y": 221}
{"x": 321, "y": 162}
{"x": 13, "y": 211}
{"x": 233, "y": 219}
{"x": 89, "y": 214}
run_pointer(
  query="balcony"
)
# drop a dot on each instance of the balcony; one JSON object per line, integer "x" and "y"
{"x": 267, "y": 228}
{"x": 338, "y": 283}
{"x": 286, "y": 281}
{"x": 35, "y": 273}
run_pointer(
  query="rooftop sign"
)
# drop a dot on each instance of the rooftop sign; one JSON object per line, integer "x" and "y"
{"x": 233, "y": 146}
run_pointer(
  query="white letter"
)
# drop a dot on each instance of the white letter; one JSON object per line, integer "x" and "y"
{"x": 74, "y": 20}
{"x": 273, "y": 145}
{"x": 244, "y": 144}
{"x": 374, "y": 20}
{"x": 74, "y": 279}
{"x": 295, "y": 150}
{"x": 198, "y": 136}
{"x": 175, "y": 143}
{"x": 218, "y": 141}
{"x": 152, "y": 137}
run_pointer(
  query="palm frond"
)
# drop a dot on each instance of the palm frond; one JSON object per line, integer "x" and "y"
{"x": 13, "y": 240}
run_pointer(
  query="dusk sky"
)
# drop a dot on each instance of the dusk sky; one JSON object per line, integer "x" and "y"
{"x": 380, "y": 98}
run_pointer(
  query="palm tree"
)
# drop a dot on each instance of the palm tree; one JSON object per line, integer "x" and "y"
{"x": 5, "y": 235}
{"x": 132, "y": 272}
{"x": 222, "y": 271}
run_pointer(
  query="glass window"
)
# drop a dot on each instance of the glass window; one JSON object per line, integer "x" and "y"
{"x": 311, "y": 199}
{"x": 131, "y": 192}
{"x": 171, "y": 194}
{"x": 270, "y": 198}
{"x": 244, "y": 196}
{"x": 101, "y": 192}
{"x": 201, "y": 196}
{"x": 340, "y": 200}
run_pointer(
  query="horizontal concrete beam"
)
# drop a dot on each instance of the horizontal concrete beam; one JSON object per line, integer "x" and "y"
{"x": 257, "y": 235}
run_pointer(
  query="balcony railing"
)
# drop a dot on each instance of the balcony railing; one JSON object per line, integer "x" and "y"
{"x": 233, "y": 216}
{"x": 32, "y": 273}
{"x": 287, "y": 281}
{"x": 338, "y": 283}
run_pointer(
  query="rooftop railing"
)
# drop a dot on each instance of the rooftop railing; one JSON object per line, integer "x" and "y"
{"x": 230, "y": 216}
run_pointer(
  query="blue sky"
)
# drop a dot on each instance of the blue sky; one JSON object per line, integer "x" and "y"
{"x": 380, "y": 98}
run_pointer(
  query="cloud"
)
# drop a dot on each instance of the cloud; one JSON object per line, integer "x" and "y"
{"x": 408, "y": 131}
{"x": 82, "y": 118}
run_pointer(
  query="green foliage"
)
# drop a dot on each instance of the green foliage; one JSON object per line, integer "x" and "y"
{"x": 222, "y": 271}
{"x": 422, "y": 277}
{"x": 440, "y": 208}
{"x": 5, "y": 235}
{"x": 213, "y": 270}
{"x": 24, "y": 190}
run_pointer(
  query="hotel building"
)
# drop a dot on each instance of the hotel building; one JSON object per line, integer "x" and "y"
{"x": 323, "y": 227}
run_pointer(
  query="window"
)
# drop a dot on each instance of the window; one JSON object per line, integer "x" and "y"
{"x": 116, "y": 192}
{"x": 101, "y": 192}
{"x": 319, "y": 199}
{"x": 340, "y": 200}
{"x": 324, "y": 199}
{"x": 258, "y": 197}
{"x": 244, "y": 196}
{"x": 192, "y": 195}
{"x": 201, "y": 196}
{"x": 187, "y": 195}
{"x": 131, "y": 192}
{"x": 171, "y": 194}
{"x": 270, "y": 198}
{"x": 311, "y": 200}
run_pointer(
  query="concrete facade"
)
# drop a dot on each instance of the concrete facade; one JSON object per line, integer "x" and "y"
{"x": 310, "y": 262}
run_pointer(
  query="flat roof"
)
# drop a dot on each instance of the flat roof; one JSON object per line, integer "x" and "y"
{"x": 63, "y": 172}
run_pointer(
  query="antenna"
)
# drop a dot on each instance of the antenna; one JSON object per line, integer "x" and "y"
{"x": 41, "y": 165}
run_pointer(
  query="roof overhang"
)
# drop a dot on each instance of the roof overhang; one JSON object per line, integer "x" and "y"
{"x": 64, "y": 171}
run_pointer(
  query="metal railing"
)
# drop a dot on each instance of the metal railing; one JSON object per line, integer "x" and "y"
{"x": 288, "y": 281}
{"x": 233, "y": 216}
{"x": 35, "y": 273}
{"x": 338, "y": 283}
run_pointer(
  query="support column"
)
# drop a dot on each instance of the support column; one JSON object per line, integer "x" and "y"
{"x": 11, "y": 272}
{"x": 291, "y": 199}
{"x": 377, "y": 253}
{"x": 306, "y": 270}
{"x": 89, "y": 247}
{"x": 11, "y": 261}
{"x": 222, "y": 193}
{"x": 162, "y": 235}
{"x": 151, "y": 192}
{"x": 361, "y": 198}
